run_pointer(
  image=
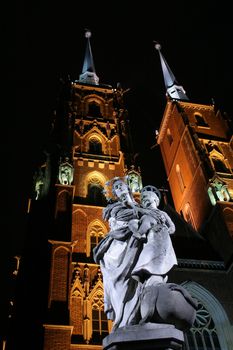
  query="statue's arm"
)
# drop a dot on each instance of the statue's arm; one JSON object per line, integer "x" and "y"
{"x": 170, "y": 224}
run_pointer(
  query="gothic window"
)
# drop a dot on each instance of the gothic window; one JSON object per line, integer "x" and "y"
{"x": 94, "y": 110}
{"x": 95, "y": 195}
{"x": 200, "y": 121}
{"x": 95, "y": 239}
{"x": 95, "y": 146}
{"x": 169, "y": 136}
{"x": 203, "y": 334}
{"x": 99, "y": 319}
{"x": 93, "y": 188}
{"x": 96, "y": 231}
{"x": 180, "y": 178}
{"x": 211, "y": 329}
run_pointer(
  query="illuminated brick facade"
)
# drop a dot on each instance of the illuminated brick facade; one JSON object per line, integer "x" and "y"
{"x": 98, "y": 152}
{"x": 196, "y": 146}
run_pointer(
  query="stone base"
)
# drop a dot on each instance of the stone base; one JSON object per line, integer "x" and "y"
{"x": 145, "y": 337}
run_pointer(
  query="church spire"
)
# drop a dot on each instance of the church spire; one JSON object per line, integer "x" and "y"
{"x": 174, "y": 90}
{"x": 88, "y": 75}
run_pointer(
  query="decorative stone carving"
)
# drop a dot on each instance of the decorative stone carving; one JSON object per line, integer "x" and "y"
{"x": 134, "y": 181}
{"x": 66, "y": 173}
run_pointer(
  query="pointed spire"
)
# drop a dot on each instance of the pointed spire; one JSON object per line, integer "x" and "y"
{"x": 174, "y": 90}
{"x": 88, "y": 75}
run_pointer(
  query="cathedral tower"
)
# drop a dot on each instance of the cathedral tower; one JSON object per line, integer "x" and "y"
{"x": 92, "y": 132}
{"x": 196, "y": 145}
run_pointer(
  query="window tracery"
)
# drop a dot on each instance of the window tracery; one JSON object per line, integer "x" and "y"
{"x": 99, "y": 318}
{"x": 203, "y": 334}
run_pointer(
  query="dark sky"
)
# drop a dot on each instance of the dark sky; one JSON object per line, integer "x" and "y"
{"x": 45, "y": 42}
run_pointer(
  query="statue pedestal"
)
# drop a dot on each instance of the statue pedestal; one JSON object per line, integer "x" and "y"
{"x": 149, "y": 336}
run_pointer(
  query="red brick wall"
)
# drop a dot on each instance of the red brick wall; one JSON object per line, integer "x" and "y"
{"x": 59, "y": 274}
{"x": 57, "y": 337}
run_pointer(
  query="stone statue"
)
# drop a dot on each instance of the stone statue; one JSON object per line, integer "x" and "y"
{"x": 39, "y": 182}
{"x": 157, "y": 256}
{"x": 135, "y": 258}
{"x": 134, "y": 181}
{"x": 66, "y": 173}
{"x": 42, "y": 178}
{"x": 116, "y": 254}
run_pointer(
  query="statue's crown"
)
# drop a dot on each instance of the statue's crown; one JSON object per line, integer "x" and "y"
{"x": 150, "y": 188}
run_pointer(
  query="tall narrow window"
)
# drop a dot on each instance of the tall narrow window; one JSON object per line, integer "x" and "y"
{"x": 169, "y": 136}
{"x": 180, "y": 178}
{"x": 94, "y": 110}
{"x": 188, "y": 216}
{"x": 99, "y": 319}
{"x": 96, "y": 231}
{"x": 95, "y": 195}
{"x": 95, "y": 239}
{"x": 95, "y": 146}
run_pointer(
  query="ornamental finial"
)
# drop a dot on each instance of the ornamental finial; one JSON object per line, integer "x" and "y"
{"x": 157, "y": 45}
{"x": 87, "y": 33}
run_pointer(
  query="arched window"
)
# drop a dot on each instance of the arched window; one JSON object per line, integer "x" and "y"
{"x": 203, "y": 334}
{"x": 95, "y": 146}
{"x": 95, "y": 194}
{"x": 180, "y": 178}
{"x": 96, "y": 231}
{"x": 95, "y": 239}
{"x": 99, "y": 319}
{"x": 94, "y": 110}
{"x": 211, "y": 329}
{"x": 169, "y": 136}
{"x": 93, "y": 186}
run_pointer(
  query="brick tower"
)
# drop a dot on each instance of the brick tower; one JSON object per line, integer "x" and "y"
{"x": 196, "y": 145}
{"x": 91, "y": 129}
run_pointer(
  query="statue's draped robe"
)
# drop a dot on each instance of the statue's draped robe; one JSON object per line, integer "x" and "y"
{"x": 119, "y": 256}
{"x": 157, "y": 256}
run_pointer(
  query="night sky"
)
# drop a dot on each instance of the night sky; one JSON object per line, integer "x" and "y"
{"x": 45, "y": 42}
